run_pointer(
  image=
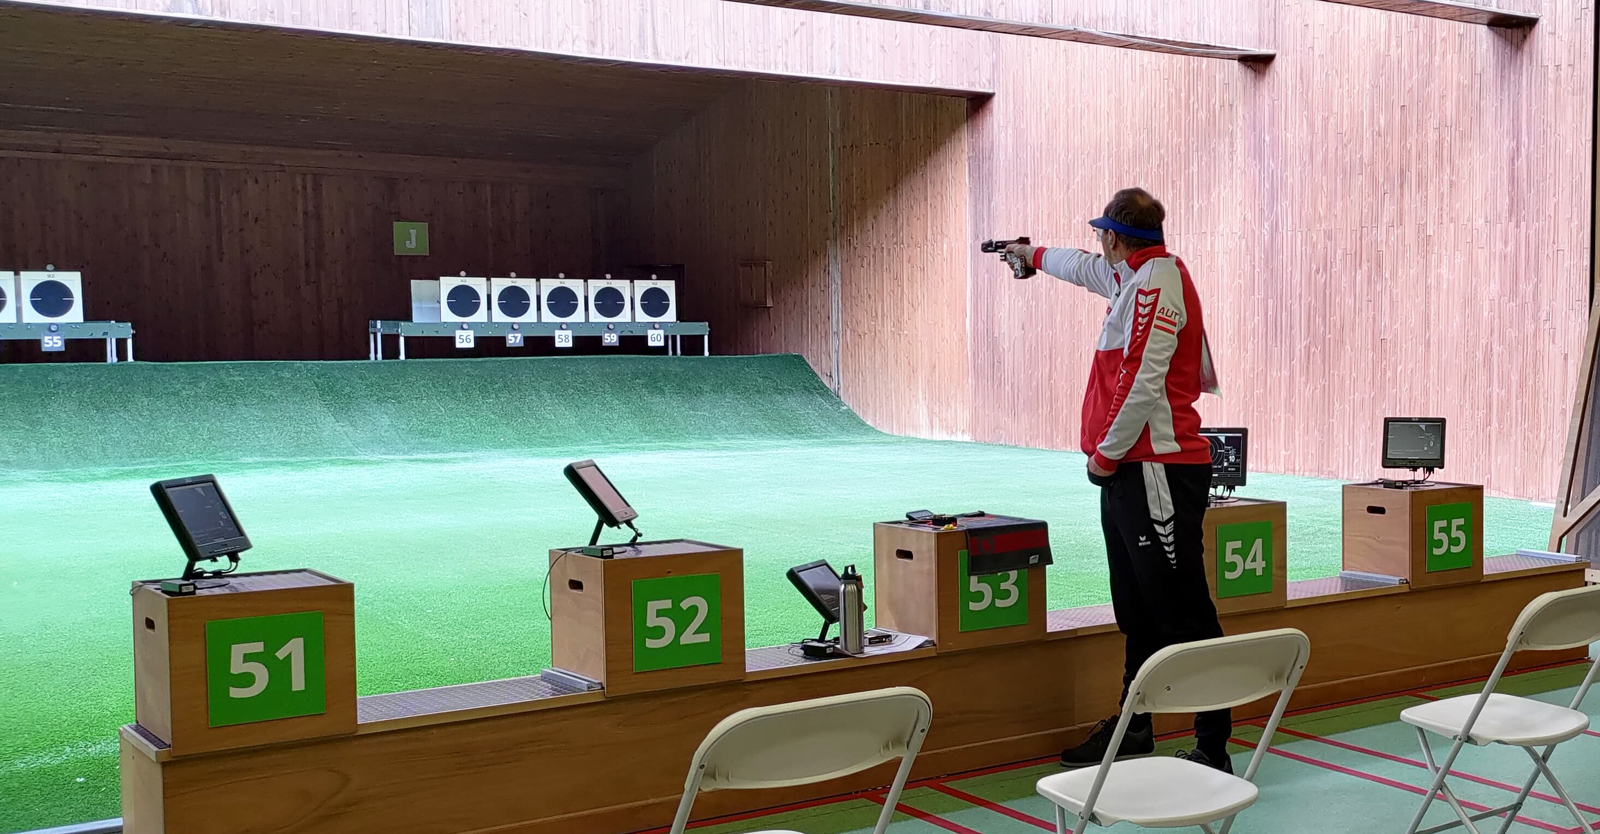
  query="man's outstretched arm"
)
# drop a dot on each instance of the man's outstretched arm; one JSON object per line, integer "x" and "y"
{"x": 1075, "y": 266}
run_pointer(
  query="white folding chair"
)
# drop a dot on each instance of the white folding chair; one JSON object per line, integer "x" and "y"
{"x": 811, "y": 741}
{"x": 1160, "y": 792}
{"x": 1557, "y": 620}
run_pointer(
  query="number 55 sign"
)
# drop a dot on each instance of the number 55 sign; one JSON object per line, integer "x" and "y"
{"x": 1449, "y": 535}
{"x": 994, "y": 600}
{"x": 677, "y": 622}
{"x": 265, "y": 668}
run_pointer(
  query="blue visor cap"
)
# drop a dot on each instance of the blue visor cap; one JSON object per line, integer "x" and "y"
{"x": 1123, "y": 229}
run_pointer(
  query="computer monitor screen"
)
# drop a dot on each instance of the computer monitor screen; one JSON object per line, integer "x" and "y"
{"x": 200, "y": 516}
{"x": 1413, "y": 443}
{"x": 596, "y": 488}
{"x": 1229, "y": 453}
{"x": 819, "y": 584}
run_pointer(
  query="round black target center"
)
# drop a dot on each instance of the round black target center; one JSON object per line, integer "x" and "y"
{"x": 463, "y": 300}
{"x": 609, "y": 302}
{"x": 654, "y": 302}
{"x": 51, "y": 299}
{"x": 514, "y": 302}
{"x": 562, "y": 302}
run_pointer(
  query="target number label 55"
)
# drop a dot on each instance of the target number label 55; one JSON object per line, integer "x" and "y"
{"x": 265, "y": 668}
{"x": 677, "y": 622}
{"x": 1244, "y": 563}
{"x": 1449, "y": 536}
{"x": 52, "y": 343}
{"x": 994, "y": 600}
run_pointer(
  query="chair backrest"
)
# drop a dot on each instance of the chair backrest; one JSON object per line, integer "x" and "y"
{"x": 1558, "y": 620}
{"x": 811, "y": 741}
{"x": 1220, "y": 673}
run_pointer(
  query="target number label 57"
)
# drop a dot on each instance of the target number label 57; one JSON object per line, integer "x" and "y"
{"x": 1244, "y": 563}
{"x": 265, "y": 668}
{"x": 994, "y": 600}
{"x": 1449, "y": 536}
{"x": 677, "y": 622}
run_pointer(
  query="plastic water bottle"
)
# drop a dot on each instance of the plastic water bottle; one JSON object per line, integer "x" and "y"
{"x": 852, "y": 629}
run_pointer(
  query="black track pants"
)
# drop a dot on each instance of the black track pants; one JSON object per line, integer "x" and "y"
{"x": 1152, "y": 515}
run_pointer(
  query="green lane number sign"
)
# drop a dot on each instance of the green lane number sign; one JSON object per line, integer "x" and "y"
{"x": 677, "y": 622}
{"x": 994, "y": 600}
{"x": 1449, "y": 536}
{"x": 265, "y": 668}
{"x": 1244, "y": 563}
{"x": 410, "y": 238}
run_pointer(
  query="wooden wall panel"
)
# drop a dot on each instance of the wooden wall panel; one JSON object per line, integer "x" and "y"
{"x": 236, "y": 262}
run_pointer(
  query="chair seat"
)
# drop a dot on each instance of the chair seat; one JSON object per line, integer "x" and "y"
{"x": 1506, "y": 719}
{"x": 1158, "y": 792}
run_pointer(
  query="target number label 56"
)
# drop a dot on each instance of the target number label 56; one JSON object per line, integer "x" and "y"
{"x": 993, "y": 600}
{"x": 677, "y": 622}
{"x": 265, "y": 668}
{"x": 1245, "y": 564}
{"x": 466, "y": 339}
{"x": 1449, "y": 536}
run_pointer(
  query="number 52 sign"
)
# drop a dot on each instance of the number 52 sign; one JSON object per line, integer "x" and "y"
{"x": 677, "y": 622}
{"x": 265, "y": 668}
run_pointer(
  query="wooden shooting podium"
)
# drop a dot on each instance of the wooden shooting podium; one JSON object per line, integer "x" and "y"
{"x": 657, "y": 615}
{"x": 1246, "y": 542}
{"x": 922, "y": 586}
{"x": 1430, "y": 534}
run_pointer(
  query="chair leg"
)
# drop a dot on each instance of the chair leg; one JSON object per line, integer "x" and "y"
{"x": 1083, "y": 823}
{"x": 1061, "y": 820}
{"x": 1439, "y": 787}
{"x": 1522, "y": 797}
{"x": 1206, "y": 828}
{"x": 1549, "y": 776}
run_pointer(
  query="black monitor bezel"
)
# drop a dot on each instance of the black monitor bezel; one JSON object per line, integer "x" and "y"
{"x": 1394, "y": 463}
{"x": 216, "y": 550}
{"x": 1244, "y": 454}
{"x": 599, "y": 507}
{"x": 805, "y": 589}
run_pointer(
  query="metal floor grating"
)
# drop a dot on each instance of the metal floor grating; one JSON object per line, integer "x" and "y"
{"x": 1520, "y": 561}
{"x": 155, "y": 742}
{"x": 419, "y": 702}
{"x": 1070, "y": 618}
{"x": 1327, "y": 586}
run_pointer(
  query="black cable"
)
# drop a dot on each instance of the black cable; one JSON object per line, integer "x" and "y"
{"x": 544, "y": 597}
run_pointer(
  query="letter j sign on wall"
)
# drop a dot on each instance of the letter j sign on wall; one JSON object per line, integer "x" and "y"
{"x": 410, "y": 238}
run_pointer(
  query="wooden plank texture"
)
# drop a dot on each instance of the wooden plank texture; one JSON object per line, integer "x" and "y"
{"x": 1447, "y": 10}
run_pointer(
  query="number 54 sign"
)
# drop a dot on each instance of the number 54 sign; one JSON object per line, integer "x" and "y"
{"x": 265, "y": 668}
{"x": 677, "y": 622}
{"x": 993, "y": 600}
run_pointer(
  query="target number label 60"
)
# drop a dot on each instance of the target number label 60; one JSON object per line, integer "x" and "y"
{"x": 677, "y": 622}
{"x": 1449, "y": 534}
{"x": 1244, "y": 563}
{"x": 994, "y": 600}
{"x": 265, "y": 668}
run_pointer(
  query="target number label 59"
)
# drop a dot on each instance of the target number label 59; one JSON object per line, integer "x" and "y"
{"x": 677, "y": 622}
{"x": 265, "y": 668}
{"x": 1449, "y": 536}
{"x": 994, "y": 600}
{"x": 1244, "y": 563}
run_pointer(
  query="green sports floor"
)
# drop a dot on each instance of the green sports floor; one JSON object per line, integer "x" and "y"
{"x": 435, "y": 486}
{"x": 1348, "y": 770}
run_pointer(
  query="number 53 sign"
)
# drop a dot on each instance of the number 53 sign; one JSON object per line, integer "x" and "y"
{"x": 993, "y": 600}
{"x": 264, "y": 668}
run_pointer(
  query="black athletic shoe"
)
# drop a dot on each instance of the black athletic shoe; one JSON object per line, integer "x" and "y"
{"x": 1225, "y": 764}
{"x": 1093, "y": 749}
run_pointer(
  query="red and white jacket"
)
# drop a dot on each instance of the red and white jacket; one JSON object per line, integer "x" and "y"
{"x": 1151, "y": 363}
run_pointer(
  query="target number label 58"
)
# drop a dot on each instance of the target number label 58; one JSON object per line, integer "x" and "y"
{"x": 1244, "y": 566}
{"x": 993, "y": 600}
{"x": 677, "y": 622}
{"x": 265, "y": 668}
{"x": 563, "y": 338}
{"x": 1449, "y": 536}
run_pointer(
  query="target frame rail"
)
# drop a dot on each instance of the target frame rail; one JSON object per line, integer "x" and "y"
{"x": 674, "y": 331}
{"x": 107, "y": 331}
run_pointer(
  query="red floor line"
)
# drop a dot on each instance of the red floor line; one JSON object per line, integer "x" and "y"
{"x": 1482, "y": 780}
{"x": 920, "y": 814}
{"x": 995, "y": 807}
{"x": 767, "y": 812}
{"x": 1373, "y": 777}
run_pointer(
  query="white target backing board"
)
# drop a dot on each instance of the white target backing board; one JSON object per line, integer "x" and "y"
{"x": 515, "y": 299}
{"x": 561, "y": 299}
{"x": 655, "y": 300}
{"x": 51, "y": 296}
{"x": 610, "y": 301}
{"x": 425, "y": 301}
{"x": 463, "y": 299}
{"x": 8, "y": 298}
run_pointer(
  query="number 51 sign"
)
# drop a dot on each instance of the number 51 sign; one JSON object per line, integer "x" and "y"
{"x": 265, "y": 668}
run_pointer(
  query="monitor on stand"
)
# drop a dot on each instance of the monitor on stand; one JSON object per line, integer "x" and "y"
{"x": 1229, "y": 461}
{"x": 204, "y": 524}
{"x": 610, "y": 508}
{"x": 1414, "y": 443}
